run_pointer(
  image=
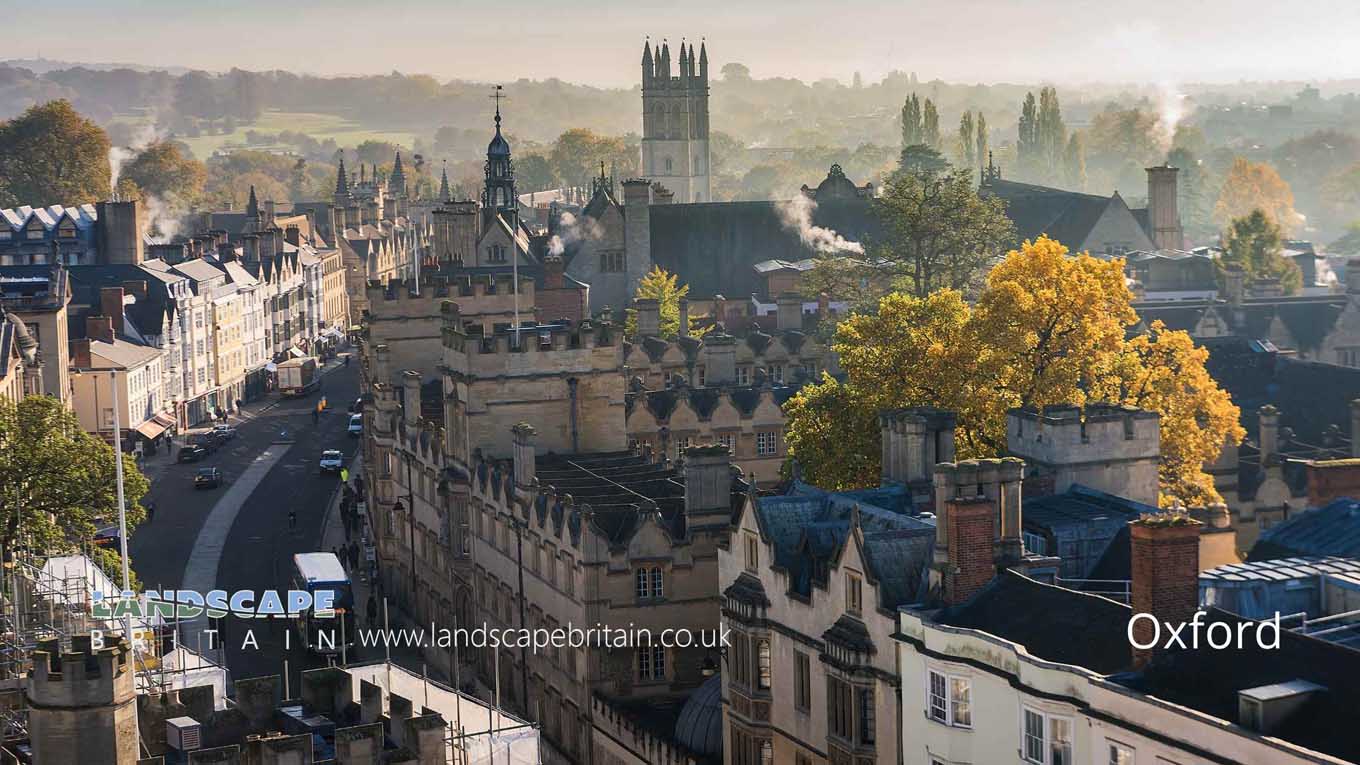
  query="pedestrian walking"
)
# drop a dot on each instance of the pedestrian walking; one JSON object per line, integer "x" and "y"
{"x": 150, "y": 511}
{"x": 372, "y": 609}
{"x": 292, "y": 520}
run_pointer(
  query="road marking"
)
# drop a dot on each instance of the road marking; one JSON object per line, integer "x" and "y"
{"x": 200, "y": 572}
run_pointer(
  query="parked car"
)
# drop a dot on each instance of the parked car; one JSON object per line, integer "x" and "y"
{"x": 332, "y": 460}
{"x": 192, "y": 453}
{"x": 207, "y": 440}
{"x": 208, "y": 478}
{"x": 356, "y": 425}
{"x": 224, "y": 432}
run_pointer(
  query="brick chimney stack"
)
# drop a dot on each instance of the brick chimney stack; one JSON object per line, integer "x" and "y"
{"x": 1164, "y": 551}
{"x": 99, "y": 328}
{"x": 111, "y": 306}
{"x": 553, "y": 278}
{"x": 965, "y": 536}
{"x": 292, "y": 234}
{"x": 522, "y": 436}
{"x": 80, "y": 353}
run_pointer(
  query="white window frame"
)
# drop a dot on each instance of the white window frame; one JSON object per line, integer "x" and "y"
{"x": 767, "y": 443}
{"x": 948, "y": 710}
{"x": 1121, "y": 754}
{"x": 1046, "y": 738}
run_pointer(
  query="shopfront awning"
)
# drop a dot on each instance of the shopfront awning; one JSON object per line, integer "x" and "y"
{"x": 151, "y": 429}
{"x": 296, "y": 352}
{"x": 335, "y": 333}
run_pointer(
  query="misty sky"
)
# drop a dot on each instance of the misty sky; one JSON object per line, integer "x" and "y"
{"x": 599, "y": 42}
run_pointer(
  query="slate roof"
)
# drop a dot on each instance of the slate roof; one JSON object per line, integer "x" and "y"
{"x": 124, "y": 354}
{"x": 1312, "y": 396}
{"x": 147, "y": 316}
{"x": 1333, "y": 529}
{"x": 1052, "y": 623}
{"x": 1208, "y": 680}
{"x": 617, "y": 487}
{"x": 714, "y": 246}
{"x": 1308, "y": 318}
{"x": 808, "y": 527}
{"x": 1067, "y": 216}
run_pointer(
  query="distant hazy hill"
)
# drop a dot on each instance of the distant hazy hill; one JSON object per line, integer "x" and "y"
{"x": 45, "y": 65}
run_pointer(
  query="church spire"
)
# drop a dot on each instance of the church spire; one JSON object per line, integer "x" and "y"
{"x": 397, "y": 181}
{"x": 341, "y": 182}
{"x": 684, "y": 59}
{"x": 444, "y": 183}
{"x": 703, "y": 61}
{"x": 253, "y": 206}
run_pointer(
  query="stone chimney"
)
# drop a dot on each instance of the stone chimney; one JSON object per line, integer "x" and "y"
{"x": 1164, "y": 552}
{"x": 292, "y": 234}
{"x": 118, "y": 231}
{"x": 269, "y": 208}
{"x": 708, "y": 486}
{"x": 789, "y": 311}
{"x": 381, "y": 365}
{"x": 99, "y": 328}
{"x": 225, "y": 252}
{"x": 410, "y": 383}
{"x": 913, "y": 441}
{"x": 648, "y": 317}
{"x": 553, "y": 277}
{"x": 1163, "y": 216}
{"x": 80, "y": 353}
{"x": 720, "y": 365}
{"x": 823, "y": 305}
{"x": 250, "y": 248}
{"x": 111, "y": 306}
{"x": 1234, "y": 285}
{"x": 522, "y": 436}
{"x": 1355, "y": 427}
{"x": 267, "y": 250}
{"x": 1268, "y": 435}
{"x": 684, "y": 317}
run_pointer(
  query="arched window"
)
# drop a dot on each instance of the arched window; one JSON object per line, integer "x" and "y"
{"x": 668, "y": 164}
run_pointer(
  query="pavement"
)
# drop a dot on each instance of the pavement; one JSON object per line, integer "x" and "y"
{"x": 238, "y": 536}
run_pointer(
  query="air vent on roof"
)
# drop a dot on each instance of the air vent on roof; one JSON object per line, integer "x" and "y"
{"x": 1262, "y": 709}
{"x": 183, "y": 734}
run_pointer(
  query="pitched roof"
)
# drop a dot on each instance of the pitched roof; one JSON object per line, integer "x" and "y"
{"x": 1067, "y": 216}
{"x": 1052, "y": 623}
{"x": 714, "y": 246}
{"x": 123, "y": 354}
{"x": 1333, "y": 529}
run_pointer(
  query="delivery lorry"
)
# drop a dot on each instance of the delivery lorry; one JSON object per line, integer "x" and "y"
{"x": 298, "y": 377}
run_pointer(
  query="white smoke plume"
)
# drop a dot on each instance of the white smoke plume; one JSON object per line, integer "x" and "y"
{"x": 120, "y": 155}
{"x": 796, "y": 215}
{"x": 1170, "y": 112}
{"x": 573, "y": 230}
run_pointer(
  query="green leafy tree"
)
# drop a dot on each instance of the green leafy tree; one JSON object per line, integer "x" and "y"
{"x": 50, "y": 154}
{"x": 911, "y": 122}
{"x": 1349, "y": 243}
{"x": 1051, "y": 133}
{"x": 967, "y": 142}
{"x": 164, "y": 169}
{"x": 57, "y": 482}
{"x": 938, "y": 231}
{"x": 930, "y": 125}
{"x": 1255, "y": 244}
{"x": 1027, "y": 145}
{"x": 1074, "y": 163}
{"x": 981, "y": 140}
{"x": 664, "y": 287}
{"x": 922, "y": 159}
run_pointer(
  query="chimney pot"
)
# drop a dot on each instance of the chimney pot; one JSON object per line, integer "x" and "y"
{"x": 1164, "y": 551}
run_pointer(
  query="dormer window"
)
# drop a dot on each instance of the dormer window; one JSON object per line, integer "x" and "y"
{"x": 854, "y": 594}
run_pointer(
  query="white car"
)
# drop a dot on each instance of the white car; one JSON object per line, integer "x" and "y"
{"x": 356, "y": 425}
{"x": 332, "y": 460}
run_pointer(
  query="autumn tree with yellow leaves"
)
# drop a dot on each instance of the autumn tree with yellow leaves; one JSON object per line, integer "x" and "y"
{"x": 1046, "y": 329}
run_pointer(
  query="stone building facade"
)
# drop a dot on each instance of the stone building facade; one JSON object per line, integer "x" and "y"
{"x": 502, "y": 492}
{"x": 675, "y": 122}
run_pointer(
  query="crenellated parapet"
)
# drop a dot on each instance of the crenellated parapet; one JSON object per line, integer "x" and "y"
{"x": 638, "y": 739}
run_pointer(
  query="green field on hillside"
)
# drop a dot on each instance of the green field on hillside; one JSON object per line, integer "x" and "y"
{"x": 319, "y": 126}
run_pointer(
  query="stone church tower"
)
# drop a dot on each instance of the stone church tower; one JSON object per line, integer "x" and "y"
{"x": 675, "y": 122}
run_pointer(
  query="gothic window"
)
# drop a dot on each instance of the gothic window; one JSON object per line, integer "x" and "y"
{"x": 668, "y": 164}
{"x": 495, "y": 253}
{"x": 611, "y": 262}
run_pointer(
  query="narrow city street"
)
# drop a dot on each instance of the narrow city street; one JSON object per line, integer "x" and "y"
{"x": 238, "y": 536}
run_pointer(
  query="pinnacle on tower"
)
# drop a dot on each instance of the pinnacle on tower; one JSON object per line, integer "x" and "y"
{"x": 398, "y": 178}
{"x": 647, "y": 52}
{"x": 684, "y": 59}
{"x": 444, "y": 183}
{"x": 253, "y": 205}
{"x": 341, "y": 181}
